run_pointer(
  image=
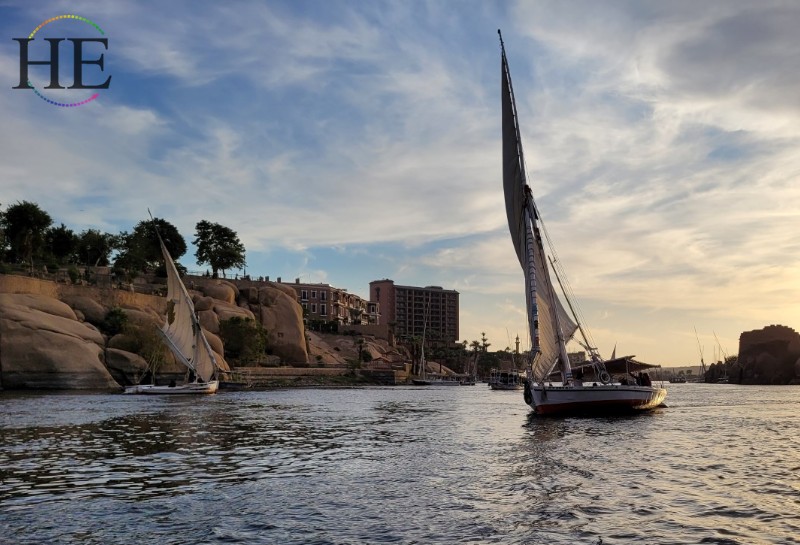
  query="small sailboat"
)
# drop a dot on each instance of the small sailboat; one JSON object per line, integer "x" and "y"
{"x": 550, "y": 326}
{"x": 185, "y": 338}
{"x": 470, "y": 376}
{"x": 421, "y": 378}
{"x": 426, "y": 378}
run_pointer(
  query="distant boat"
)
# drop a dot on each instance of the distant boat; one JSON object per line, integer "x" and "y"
{"x": 550, "y": 326}
{"x": 435, "y": 379}
{"x": 185, "y": 338}
{"x": 505, "y": 380}
{"x": 422, "y": 377}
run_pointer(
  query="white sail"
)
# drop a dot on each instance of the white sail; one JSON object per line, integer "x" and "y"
{"x": 549, "y": 324}
{"x": 181, "y": 329}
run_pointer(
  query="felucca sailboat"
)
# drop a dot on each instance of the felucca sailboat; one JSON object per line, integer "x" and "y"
{"x": 185, "y": 338}
{"x": 550, "y": 326}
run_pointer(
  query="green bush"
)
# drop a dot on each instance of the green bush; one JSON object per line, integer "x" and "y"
{"x": 73, "y": 274}
{"x": 144, "y": 340}
{"x": 245, "y": 340}
{"x": 114, "y": 322}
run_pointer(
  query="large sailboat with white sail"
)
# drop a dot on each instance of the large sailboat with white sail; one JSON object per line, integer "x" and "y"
{"x": 185, "y": 338}
{"x": 550, "y": 325}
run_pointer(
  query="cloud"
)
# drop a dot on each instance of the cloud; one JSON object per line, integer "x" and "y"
{"x": 660, "y": 140}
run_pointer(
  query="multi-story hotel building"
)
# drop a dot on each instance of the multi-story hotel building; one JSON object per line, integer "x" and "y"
{"x": 412, "y": 308}
{"x": 330, "y": 304}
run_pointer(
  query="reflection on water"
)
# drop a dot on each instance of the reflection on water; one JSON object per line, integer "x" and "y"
{"x": 401, "y": 465}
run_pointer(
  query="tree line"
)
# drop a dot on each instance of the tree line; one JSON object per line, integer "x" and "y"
{"x": 29, "y": 238}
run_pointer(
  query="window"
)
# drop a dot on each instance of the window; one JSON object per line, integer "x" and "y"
{"x": 313, "y": 294}
{"x": 305, "y": 306}
{"x": 323, "y": 310}
{"x": 323, "y": 295}
{"x": 313, "y": 307}
{"x": 304, "y": 295}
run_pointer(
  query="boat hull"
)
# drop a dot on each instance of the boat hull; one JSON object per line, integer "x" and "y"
{"x": 501, "y": 386}
{"x": 609, "y": 398}
{"x": 209, "y": 387}
{"x": 429, "y": 382}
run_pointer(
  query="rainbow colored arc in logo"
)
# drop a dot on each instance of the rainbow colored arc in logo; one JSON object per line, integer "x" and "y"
{"x": 30, "y": 37}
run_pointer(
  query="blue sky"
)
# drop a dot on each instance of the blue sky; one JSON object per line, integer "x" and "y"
{"x": 349, "y": 141}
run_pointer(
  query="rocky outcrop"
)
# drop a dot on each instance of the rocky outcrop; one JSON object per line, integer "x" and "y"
{"x": 282, "y": 317}
{"x": 226, "y": 311}
{"x": 768, "y": 356}
{"x": 91, "y": 310}
{"x": 44, "y": 346}
{"x": 332, "y": 349}
{"x": 49, "y": 336}
{"x": 221, "y": 291}
{"x": 126, "y": 367}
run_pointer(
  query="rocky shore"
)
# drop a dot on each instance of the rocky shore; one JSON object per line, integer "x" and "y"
{"x": 56, "y": 336}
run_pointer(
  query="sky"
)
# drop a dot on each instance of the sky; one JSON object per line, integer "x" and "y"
{"x": 351, "y": 141}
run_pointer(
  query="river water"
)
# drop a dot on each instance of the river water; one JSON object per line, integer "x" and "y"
{"x": 399, "y": 465}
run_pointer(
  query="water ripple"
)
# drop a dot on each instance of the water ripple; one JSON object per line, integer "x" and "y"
{"x": 398, "y": 465}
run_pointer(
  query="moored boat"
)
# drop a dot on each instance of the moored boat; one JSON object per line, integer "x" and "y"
{"x": 183, "y": 335}
{"x": 505, "y": 380}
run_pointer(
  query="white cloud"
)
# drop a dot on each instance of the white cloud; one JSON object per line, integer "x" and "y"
{"x": 660, "y": 139}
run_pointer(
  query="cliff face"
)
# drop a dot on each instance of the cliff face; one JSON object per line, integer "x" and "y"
{"x": 49, "y": 337}
{"x": 769, "y": 356}
{"x": 43, "y": 345}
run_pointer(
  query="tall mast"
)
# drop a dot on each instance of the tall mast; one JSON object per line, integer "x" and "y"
{"x": 530, "y": 271}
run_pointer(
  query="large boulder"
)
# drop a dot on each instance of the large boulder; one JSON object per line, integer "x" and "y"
{"x": 93, "y": 312}
{"x": 214, "y": 341}
{"x": 126, "y": 367}
{"x": 282, "y": 317}
{"x": 143, "y": 317}
{"x": 222, "y": 291}
{"x": 203, "y": 303}
{"x": 226, "y": 311}
{"x": 248, "y": 295}
{"x": 44, "y": 346}
{"x": 209, "y": 320}
{"x": 287, "y": 289}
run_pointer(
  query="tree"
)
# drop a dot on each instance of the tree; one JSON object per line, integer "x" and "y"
{"x": 484, "y": 345}
{"x": 245, "y": 340}
{"x": 140, "y": 250}
{"x": 61, "y": 242}
{"x": 25, "y": 227}
{"x": 218, "y": 246}
{"x": 94, "y": 247}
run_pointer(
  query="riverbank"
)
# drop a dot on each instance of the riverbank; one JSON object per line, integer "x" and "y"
{"x": 59, "y": 336}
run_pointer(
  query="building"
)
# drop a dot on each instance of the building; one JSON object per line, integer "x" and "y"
{"x": 413, "y": 309}
{"x": 329, "y": 304}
